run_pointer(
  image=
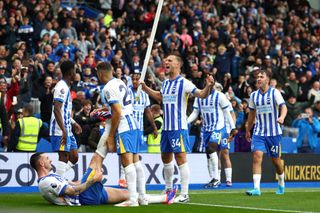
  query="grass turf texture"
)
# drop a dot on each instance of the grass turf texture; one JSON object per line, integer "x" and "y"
{"x": 295, "y": 200}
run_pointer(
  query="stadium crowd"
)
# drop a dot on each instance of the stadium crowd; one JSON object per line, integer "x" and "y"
{"x": 230, "y": 39}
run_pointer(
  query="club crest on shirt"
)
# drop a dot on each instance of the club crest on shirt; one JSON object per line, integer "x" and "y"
{"x": 268, "y": 100}
{"x": 62, "y": 91}
{"x": 53, "y": 185}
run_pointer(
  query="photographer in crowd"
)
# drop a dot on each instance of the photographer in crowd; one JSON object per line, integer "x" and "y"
{"x": 309, "y": 127}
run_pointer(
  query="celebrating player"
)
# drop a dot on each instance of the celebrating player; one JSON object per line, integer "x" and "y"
{"x": 213, "y": 132}
{"x": 174, "y": 137}
{"x": 265, "y": 104}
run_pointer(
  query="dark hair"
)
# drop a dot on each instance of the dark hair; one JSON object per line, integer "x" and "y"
{"x": 34, "y": 159}
{"x": 104, "y": 66}
{"x": 85, "y": 102}
{"x": 28, "y": 108}
{"x": 66, "y": 67}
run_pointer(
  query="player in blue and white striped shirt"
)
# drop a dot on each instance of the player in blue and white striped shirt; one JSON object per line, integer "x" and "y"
{"x": 141, "y": 105}
{"x": 214, "y": 135}
{"x": 265, "y": 104}
{"x": 61, "y": 136}
{"x": 174, "y": 137}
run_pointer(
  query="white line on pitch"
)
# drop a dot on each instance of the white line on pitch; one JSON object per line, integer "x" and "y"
{"x": 244, "y": 207}
{"x": 243, "y": 191}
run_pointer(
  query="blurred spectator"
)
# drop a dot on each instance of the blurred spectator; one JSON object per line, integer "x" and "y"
{"x": 46, "y": 98}
{"x": 222, "y": 61}
{"x": 27, "y": 132}
{"x": 315, "y": 91}
{"x": 87, "y": 124}
{"x": 154, "y": 143}
{"x": 4, "y": 126}
{"x": 7, "y": 94}
{"x": 309, "y": 127}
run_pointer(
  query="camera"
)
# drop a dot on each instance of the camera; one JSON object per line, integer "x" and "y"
{"x": 304, "y": 115}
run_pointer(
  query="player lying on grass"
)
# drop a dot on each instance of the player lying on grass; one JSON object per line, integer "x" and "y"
{"x": 88, "y": 191}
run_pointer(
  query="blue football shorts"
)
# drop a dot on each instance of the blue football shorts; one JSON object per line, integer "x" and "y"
{"x": 219, "y": 137}
{"x": 71, "y": 144}
{"x": 176, "y": 141}
{"x": 128, "y": 142}
{"x": 95, "y": 194}
{"x": 267, "y": 144}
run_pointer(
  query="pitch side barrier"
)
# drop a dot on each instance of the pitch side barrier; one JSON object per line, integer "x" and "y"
{"x": 17, "y": 175}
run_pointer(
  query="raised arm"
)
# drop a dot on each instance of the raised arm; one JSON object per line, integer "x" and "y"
{"x": 153, "y": 93}
{"x": 205, "y": 92}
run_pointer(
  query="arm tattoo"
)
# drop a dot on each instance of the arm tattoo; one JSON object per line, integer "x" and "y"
{"x": 76, "y": 190}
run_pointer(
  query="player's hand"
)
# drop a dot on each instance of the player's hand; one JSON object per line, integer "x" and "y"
{"x": 94, "y": 113}
{"x": 248, "y": 136}
{"x": 111, "y": 145}
{"x": 5, "y": 141}
{"x": 97, "y": 175}
{"x": 155, "y": 133}
{"x": 210, "y": 80}
{"x": 77, "y": 128}
{"x": 143, "y": 85}
{"x": 63, "y": 140}
{"x": 232, "y": 134}
{"x": 280, "y": 120}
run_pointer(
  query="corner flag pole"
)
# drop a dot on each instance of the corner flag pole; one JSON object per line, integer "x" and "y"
{"x": 150, "y": 44}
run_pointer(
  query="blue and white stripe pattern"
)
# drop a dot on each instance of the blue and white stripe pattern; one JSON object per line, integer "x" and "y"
{"x": 52, "y": 187}
{"x": 211, "y": 109}
{"x": 116, "y": 92}
{"x": 174, "y": 95}
{"x": 267, "y": 107}
{"x": 139, "y": 106}
{"x": 61, "y": 94}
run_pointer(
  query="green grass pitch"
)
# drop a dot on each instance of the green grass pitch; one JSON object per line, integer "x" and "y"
{"x": 295, "y": 200}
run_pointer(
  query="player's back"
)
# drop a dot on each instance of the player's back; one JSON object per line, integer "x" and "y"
{"x": 116, "y": 92}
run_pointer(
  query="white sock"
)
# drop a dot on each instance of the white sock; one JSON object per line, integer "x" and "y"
{"x": 281, "y": 179}
{"x": 141, "y": 181}
{"x": 168, "y": 174}
{"x": 156, "y": 198}
{"x": 210, "y": 168}
{"x": 256, "y": 181}
{"x": 131, "y": 176}
{"x": 122, "y": 174}
{"x": 228, "y": 172}
{"x": 61, "y": 168}
{"x": 213, "y": 158}
{"x": 219, "y": 175}
{"x": 184, "y": 178}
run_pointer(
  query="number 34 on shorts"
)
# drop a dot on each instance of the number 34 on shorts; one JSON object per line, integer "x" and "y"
{"x": 175, "y": 143}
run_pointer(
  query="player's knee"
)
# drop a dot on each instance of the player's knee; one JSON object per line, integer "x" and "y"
{"x": 181, "y": 158}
